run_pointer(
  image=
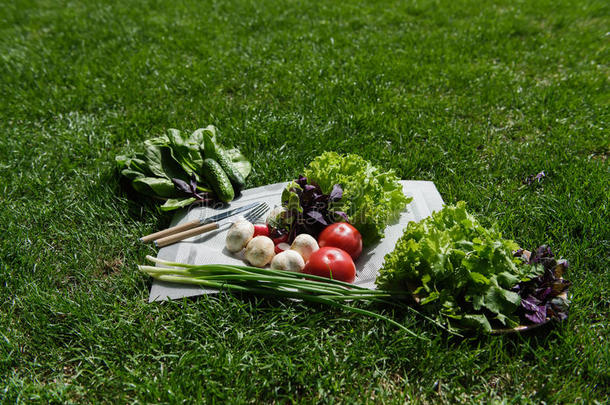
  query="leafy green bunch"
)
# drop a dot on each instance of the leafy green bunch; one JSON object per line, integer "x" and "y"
{"x": 457, "y": 270}
{"x": 372, "y": 198}
{"x": 171, "y": 167}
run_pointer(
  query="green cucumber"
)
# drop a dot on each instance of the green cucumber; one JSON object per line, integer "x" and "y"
{"x": 218, "y": 179}
{"x": 212, "y": 151}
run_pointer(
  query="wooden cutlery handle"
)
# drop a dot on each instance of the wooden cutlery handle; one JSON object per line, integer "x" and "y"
{"x": 170, "y": 231}
{"x": 168, "y": 240}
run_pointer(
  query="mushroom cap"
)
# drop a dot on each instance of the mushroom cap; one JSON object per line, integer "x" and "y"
{"x": 289, "y": 260}
{"x": 259, "y": 251}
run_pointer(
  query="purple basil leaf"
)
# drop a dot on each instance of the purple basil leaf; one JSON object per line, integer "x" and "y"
{"x": 182, "y": 185}
{"x": 540, "y": 298}
{"x": 557, "y": 309}
{"x": 543, "y": 293}
{"x": 319, "y": 197}
{"x": 542, "y": 253}
{"x": 336, "y": 193}
{"x": 530, "y": 303}
{"x": 559, "y": 286}
{"x": 538, "y": 316}
{"x": 560, "y": 268}
{"x": 193, "y": 183}
{"x": 317, "y": 216}
{"x": 342, "y": 215}
{"x": 314, "y": 212}
{"x": 301, "y": 181}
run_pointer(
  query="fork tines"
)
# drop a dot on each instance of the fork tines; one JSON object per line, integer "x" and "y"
{"x": 257, "y": 212}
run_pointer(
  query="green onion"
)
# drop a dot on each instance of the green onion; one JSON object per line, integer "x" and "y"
{"x": 278, "y": 283}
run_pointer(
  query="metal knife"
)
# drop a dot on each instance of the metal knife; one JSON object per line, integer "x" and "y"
{"x": 211, "y": 224}
{"x": 192, "y": 224}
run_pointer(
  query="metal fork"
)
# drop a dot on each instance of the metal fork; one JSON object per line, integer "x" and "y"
{"x": 256, "y": 213}
{"x": 252, "y": 216}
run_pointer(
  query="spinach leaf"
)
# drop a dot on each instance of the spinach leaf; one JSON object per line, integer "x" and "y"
{"x": 171, "y": 168}
{"x": 176, "y": 203}
{"x": 132, "y": 174}
{"x": 154, "y": 187}
{"x": 137, "y": 163}
{"x": 239, "y": 161}
{"x": 153, "y": 161}
{"x": 186, "y": 154}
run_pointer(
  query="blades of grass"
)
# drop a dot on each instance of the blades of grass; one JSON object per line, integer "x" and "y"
{"x": 382, "y": 317}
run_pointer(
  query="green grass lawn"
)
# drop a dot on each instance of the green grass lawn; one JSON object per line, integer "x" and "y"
{"x": 474, "y": 99}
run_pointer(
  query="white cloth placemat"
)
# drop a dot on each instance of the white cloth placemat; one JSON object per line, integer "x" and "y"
{"x": 210, "y": 248}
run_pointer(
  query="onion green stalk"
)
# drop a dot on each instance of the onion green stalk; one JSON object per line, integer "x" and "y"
{"x": 278, "y": 283}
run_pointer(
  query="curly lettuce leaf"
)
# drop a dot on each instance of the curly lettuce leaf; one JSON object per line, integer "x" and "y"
{"x": 459, "y": 271}
{"x": 372, "y": 198}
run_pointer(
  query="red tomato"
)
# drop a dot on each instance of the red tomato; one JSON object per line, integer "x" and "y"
{"x": 332, "y": 263}
{"x": 261, "y": 230}
{"x": 343, "y": 236}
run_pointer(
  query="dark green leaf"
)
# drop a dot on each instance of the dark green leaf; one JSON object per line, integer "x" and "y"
{"x": 186, "y": 154}
{"x": 154, "y": 186}
{"x": 240, "y": 162}
{"x": 176, "y": 203}
{"x": 132, "y": 174}
{"x": 154, "y": 160}
{"x": 171, "y": 168}
{"x": 501, "y": 301}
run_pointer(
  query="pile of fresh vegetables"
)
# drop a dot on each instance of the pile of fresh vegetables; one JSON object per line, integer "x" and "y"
{"x": 339, "y": 188}
{"x": 181, "y": 169}
{"x": 332, "y": 255}
{"x": 467, "y": 276}
{"x": 448, "y": 268}
{"x": 319, "y": 219}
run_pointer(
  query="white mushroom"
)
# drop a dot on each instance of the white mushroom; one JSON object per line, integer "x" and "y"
{"x": 305, "y": 244}
{"x": 259, "y": 251}
{"x": 239, "y": 235}
{"x": 289, "y": 260}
